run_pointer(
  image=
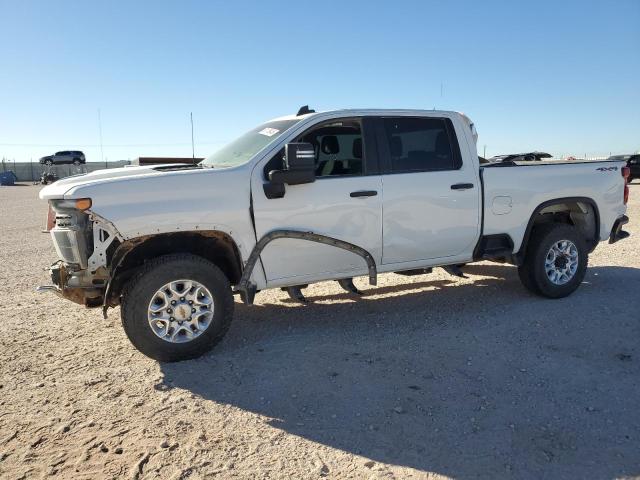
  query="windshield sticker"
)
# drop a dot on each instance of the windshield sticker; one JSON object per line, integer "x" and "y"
{"x": 268, "y": 132}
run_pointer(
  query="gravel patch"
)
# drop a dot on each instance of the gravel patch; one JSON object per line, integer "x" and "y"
{"x": 423, "y": 377}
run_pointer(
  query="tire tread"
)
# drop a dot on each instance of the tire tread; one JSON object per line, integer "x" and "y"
{"x": 129, "y": 301}
{"x": 532, "y": 274}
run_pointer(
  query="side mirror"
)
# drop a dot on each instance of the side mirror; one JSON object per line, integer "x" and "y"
{"x": 300, "y": 165}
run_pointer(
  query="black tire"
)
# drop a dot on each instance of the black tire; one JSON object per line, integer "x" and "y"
{"x": 48, "y": 162}
{"x": 76, "y": 161}
{"x": 139, "y": 292}
{"x": 524, "y": 272}
{"x": 533, "y": 274}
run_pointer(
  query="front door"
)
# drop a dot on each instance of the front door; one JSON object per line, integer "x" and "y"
{"x": 431, "y": 196}
{"x": 345, "y": 202}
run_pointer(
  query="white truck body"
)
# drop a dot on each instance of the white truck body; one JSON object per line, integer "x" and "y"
{"x": 404, "y": 220}
{"x": 416, "y": 220}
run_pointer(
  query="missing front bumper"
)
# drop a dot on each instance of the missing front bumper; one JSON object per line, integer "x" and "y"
{"x": 88, "y": 296}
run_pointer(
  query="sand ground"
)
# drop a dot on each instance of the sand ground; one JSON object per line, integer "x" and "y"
{"x": 423, "y": 377}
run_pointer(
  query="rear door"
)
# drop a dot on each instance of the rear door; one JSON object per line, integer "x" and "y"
{"x": 431, "y": 194}
{"x": 345, "y": 202}
{"x": 63, "y": 157}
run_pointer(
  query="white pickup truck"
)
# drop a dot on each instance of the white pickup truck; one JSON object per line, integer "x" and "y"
{"x": 312, "y": 197}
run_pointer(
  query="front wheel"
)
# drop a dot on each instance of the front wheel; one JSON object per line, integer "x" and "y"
{"x": 177, "y": 308}
{"x": 556, "y": 261}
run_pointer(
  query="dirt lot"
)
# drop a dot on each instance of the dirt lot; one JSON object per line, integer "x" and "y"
{"x": 424, "y": 377}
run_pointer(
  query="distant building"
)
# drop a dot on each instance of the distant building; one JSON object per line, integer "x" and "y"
{"x": 165, "y": 160}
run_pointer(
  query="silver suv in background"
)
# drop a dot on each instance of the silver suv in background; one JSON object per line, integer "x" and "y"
{"x": 75, "y": 157}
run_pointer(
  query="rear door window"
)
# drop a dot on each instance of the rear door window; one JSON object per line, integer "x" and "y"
{"x": 421, "y": 144}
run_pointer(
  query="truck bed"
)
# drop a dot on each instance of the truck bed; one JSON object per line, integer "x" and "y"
{"x": 511, "y": 195}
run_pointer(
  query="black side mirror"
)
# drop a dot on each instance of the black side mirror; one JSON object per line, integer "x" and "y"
{"x": 299, "y": 163}
{"x": 300, "y": 167}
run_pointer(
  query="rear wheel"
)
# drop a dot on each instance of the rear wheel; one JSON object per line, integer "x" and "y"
{"x": 524, "y": 272}
{"x": 555, "y": 262}
{"x": 76, "y": 161}
{"x": 177, "y": 308}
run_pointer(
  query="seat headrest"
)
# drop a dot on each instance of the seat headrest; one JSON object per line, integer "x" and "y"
{"x": 395, "y": 145}
{"x": 330, "y": 145}
{"x": 357, "y": 148}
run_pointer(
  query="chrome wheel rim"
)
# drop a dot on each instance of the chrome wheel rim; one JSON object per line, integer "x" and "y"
{"x": 561, "y": 263}
{"x": 180, "y": 311}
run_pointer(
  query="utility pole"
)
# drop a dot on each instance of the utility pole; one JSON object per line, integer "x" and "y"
{"x": 193, "y": 148}
{"x": 100, "y": 131}
{"x": 484, "y": 154}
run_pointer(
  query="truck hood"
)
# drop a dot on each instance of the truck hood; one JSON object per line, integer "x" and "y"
{"x": 149, "y": 200}
{"x": 61, "y": 187}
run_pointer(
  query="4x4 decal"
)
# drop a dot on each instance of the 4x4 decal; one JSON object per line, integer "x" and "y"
{"x": 607, "y": 169}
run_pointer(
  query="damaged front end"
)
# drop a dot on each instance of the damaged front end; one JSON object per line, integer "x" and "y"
{"x": 83, "y": 242}
{"x": 68, "y": 284}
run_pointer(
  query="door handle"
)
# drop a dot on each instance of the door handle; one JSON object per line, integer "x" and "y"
{"x": 461, "y": 186}
{"x": 363, "y": 193}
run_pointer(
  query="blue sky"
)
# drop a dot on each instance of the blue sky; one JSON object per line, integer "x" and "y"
{"x": 558, "y": 76}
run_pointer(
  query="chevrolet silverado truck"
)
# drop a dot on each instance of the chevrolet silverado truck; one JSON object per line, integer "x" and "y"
{"x": 312, "y": 197}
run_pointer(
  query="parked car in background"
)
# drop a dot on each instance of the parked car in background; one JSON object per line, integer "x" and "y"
{"x": 520, "y": 157}
{"x": 75, "y": 157}
{"x": 633, "y": 162}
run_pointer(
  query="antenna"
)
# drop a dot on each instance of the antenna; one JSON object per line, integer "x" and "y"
{"x": 304, "y": 110}
{"x": 193, "y": 148}
{"x": 100, "y": 131}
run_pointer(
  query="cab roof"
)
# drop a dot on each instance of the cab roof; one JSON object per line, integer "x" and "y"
{"x": 365, "y": 111}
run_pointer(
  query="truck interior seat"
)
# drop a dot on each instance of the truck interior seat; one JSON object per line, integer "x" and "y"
{"x": 395, "y": 145}
{"x": 442, "y": 159}
{"x": 416, "y": 160}
{"x": 357, "y": 148}
{"x": 330, "y": 145}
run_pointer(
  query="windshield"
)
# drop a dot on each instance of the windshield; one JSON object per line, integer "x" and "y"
{"x": 243, "y": 148}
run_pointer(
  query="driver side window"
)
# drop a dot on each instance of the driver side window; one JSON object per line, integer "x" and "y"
{"x": 338, "y": 149}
